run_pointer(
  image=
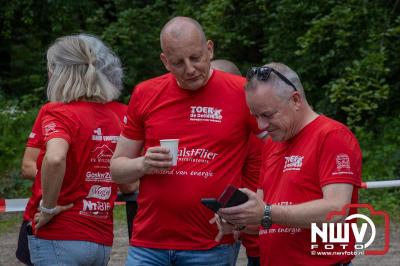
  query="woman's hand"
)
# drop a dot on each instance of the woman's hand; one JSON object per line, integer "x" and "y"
{"x": 42, "y": 218}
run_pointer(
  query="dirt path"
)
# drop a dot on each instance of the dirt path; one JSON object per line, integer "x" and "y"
{"x": 8, "y": 242}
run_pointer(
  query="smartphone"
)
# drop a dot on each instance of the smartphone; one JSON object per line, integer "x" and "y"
{"x": 232, "y": 197}
{"x": 211, "y": 203}
{"x": 229, "y": 198}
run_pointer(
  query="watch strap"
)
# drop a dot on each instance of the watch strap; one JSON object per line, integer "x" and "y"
{"x": 266, "y": 220}
{"x": 267, "y": 210}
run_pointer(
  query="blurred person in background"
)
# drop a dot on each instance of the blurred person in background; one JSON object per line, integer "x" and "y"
{"x": 250, "y": 171}
{"x": 226, "y": 66}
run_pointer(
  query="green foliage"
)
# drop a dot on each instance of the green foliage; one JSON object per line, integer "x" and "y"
{"x": 361, "y": 89}
{"x": 236, "y": 28}
{"x": 135, "y": 38}
{"x": 381, "y": 160}
{"x": 381, "y": 150}
{"x": 12, "y": 186}
{"x": 345, "y": 49}
{"x": 14, "y": 130}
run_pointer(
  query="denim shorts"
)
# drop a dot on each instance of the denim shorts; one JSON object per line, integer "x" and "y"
{"x": 66, "y": 252}
{"x": 222, "y": 255}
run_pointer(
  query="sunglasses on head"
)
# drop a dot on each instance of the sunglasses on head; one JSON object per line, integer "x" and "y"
{"x": 263, "y": 73}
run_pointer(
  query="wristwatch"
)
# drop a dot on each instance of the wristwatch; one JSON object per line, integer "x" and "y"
{"x": 266, "y": 221}
{"x": 47, "y": 210}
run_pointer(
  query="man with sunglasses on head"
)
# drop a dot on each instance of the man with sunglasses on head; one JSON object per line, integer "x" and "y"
{"x": 312, "y": 168}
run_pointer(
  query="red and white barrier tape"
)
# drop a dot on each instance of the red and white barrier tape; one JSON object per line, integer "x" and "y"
{"x": 380, "y": 184}
{"x": 13, "y": 205}
{"x": 18, "y": 205}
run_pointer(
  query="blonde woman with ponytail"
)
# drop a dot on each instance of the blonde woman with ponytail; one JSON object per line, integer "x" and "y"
{"x": 73, "y": 223}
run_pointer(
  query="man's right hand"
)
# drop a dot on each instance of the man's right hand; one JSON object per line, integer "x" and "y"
{"x": 248, "y": 213}
{"x": 156, "y": 159}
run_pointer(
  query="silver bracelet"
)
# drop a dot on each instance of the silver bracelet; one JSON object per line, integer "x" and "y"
{"x": 47, "y": 210}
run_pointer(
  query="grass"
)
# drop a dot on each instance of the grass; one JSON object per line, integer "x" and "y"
{"x": 119, "y": 213}
{"x": 386, "y": 200}
{"x": 9, "y": 221}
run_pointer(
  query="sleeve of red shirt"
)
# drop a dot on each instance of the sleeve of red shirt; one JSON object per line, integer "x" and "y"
{"x": 266, "y": 147}
{"x": 133, "y": 126}
{"x": 340, "y": 160}
{"x": 252, "y": 164}
{"x": 58, "y": 124}
{"x": 35, "y": 138}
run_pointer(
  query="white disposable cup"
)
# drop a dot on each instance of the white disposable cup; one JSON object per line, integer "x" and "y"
{"x": 172, "y": 145}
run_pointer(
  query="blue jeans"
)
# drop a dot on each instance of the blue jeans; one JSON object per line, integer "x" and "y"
{"x": 222, "y": 255}
{"x": 66, "y": 252}
{"x": 236, "y": 250}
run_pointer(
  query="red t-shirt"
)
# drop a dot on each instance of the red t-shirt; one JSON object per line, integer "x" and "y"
{"x": 119, "y": 109}
{"x": 251, "y": 172}
{"x": 212, "y": 124}
{"x": 324, "y": 152}
{"x": 92, "y": 131}
{"x": 35, "y": 140}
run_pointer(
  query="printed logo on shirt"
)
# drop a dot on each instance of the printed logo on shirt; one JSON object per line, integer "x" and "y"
{"x": 32, "y": 135}
{"x": 342, "y": 165}
{"x": 101, "y": 154}
{"x": 125, "y": 119}
{"x": 98, "y": 176}
{"x": 99, "y": 192}
{"x": 196, "y": 155}
{"x": 98, "y": 136}
{"x": 204, "y": 113}
{"x": 97, "y": 209}
{"x": 50, "y": 129}
{"x": 293, "y": 163}
{"x": 203, "y": 174}
{"x": 280, "y": 230}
